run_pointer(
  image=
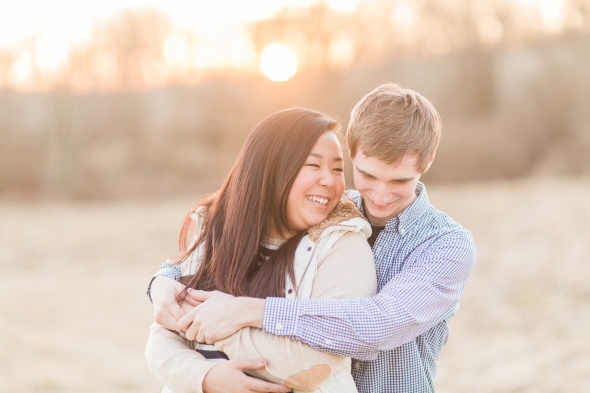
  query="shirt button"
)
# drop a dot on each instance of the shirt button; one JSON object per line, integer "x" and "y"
{"x": 402, "y": 231}
{"x": 279, "y": 326}
{"x": 328, "y": 342}
{"x": 357, "y": 365}
{"x": 290, "y": 291}
{"x": 309, "y": 248}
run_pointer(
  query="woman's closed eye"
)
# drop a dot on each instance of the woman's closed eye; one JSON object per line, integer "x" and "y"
{"x": 318, "y": 166}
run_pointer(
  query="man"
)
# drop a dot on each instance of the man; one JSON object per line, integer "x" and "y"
{"x": 423, "y": 259}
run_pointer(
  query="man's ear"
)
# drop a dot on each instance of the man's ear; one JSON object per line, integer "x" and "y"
{"x": 429, "y": 163}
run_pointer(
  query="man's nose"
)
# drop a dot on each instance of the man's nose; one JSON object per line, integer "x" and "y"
{"x": 381, "y": 194}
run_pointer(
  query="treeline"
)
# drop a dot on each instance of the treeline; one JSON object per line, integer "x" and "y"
{"x": 507, "y": 113}
{"x": 131, "y": 49}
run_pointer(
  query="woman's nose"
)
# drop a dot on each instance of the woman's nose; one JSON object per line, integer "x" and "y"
{"x": 327, "y": 178}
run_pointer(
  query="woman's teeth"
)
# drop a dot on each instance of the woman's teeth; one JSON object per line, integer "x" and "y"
{"x": 317, "y": 199}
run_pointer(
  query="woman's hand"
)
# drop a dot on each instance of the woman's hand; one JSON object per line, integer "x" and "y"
{"x": 219, "y": 315}
{"x": 229, "y": 376}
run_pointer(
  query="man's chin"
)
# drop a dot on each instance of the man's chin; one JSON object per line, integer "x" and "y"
{"x": 379, "y": 217}
{"x": 382, "y": 211}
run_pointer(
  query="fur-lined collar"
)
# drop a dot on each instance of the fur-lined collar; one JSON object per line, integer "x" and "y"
{"x": 345, "y": 210}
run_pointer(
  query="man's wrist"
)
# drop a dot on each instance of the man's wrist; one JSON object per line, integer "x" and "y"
{"x": 250, "y": 311}
{"x": 167, "y": 270}
{"x": 280, "y": 316}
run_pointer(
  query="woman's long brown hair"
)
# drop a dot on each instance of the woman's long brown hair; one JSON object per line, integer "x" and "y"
{"x": 251, "y": 201}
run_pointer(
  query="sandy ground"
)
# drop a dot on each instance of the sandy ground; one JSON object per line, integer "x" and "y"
{"x": 74, "y": 315}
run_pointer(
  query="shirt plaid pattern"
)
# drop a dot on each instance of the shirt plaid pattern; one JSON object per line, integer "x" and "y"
{"x": 423, "y": 259}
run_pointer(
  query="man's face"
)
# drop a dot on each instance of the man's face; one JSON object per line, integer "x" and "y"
{"x": 387, "y": 189}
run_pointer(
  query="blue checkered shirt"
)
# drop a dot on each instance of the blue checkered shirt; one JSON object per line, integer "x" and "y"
{"x": 423, "y": 259}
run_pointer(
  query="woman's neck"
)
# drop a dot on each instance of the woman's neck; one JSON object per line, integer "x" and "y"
{"x": 273, "y": 241}
{"x": 282, "y": 237}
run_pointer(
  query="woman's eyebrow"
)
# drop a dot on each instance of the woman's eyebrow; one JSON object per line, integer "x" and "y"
{"x": 318, "y": 155}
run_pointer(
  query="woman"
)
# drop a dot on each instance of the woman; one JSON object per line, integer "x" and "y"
{"x": 276, "y": 227}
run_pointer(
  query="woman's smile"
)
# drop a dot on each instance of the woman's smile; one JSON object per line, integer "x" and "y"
{"x": 318, "y": 200}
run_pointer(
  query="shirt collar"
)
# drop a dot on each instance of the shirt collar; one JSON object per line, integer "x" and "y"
{"x": 412, "y": 213}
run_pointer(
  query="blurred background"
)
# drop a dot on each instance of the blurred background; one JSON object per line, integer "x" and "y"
{"x": 115, "y": 116}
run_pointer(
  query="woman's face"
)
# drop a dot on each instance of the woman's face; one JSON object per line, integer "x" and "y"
{"x": 318, "y": 186}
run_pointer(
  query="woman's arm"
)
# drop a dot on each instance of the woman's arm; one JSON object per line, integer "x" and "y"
{"x": 346, "y": 271}
{"x": 184, "y": 370}
{"x": 173, "y": 362}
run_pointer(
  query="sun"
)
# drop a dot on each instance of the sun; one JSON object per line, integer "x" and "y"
{"x": 278, "y": 63}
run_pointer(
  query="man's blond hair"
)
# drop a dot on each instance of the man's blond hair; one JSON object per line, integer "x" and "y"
{"x": 392, "y": 121}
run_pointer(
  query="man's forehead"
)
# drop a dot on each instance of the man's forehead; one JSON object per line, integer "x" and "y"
{"x": 404, "y": 169}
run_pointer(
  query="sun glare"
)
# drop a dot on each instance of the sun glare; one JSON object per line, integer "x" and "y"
{"x": 278, "y": 63}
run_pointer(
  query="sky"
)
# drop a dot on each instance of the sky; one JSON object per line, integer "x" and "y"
{"x": 65, "y": 17}
{"x": 73, "y": 19}
{"x": 56, "y": 25}
{"x": 59, "y": 24}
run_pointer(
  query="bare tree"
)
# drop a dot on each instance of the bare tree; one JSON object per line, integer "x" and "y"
{"x": 309, "y": 31}
{"x": 581, "y": 9}
{"x": 124, "y": 52}
{"x": 7, "y": 60}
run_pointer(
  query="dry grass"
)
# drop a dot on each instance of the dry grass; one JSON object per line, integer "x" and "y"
{"x": 523, "y": 323}
{"x": 74, "y": 316}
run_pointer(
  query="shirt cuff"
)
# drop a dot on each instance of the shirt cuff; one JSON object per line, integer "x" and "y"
{"x": 281, "y": 316}
{"x": 170, "y": 271}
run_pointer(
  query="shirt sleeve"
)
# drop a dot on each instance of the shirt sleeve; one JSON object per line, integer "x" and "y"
{"x": 346, "y": 271}
{"x": 422, "y": 294}
{"x": 173, "y": 362}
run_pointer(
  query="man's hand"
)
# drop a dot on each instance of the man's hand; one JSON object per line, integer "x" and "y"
{"x": 219, "y": 315}
{"x": 167, "y": 311}
{"x": 229, "y": 377}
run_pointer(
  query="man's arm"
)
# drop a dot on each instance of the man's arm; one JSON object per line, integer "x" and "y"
{"x": 422, "y": 294}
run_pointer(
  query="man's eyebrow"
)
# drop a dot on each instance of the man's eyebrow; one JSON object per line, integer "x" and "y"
{"x": 405, "y": 179}
{"x": 364, "y": 172}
